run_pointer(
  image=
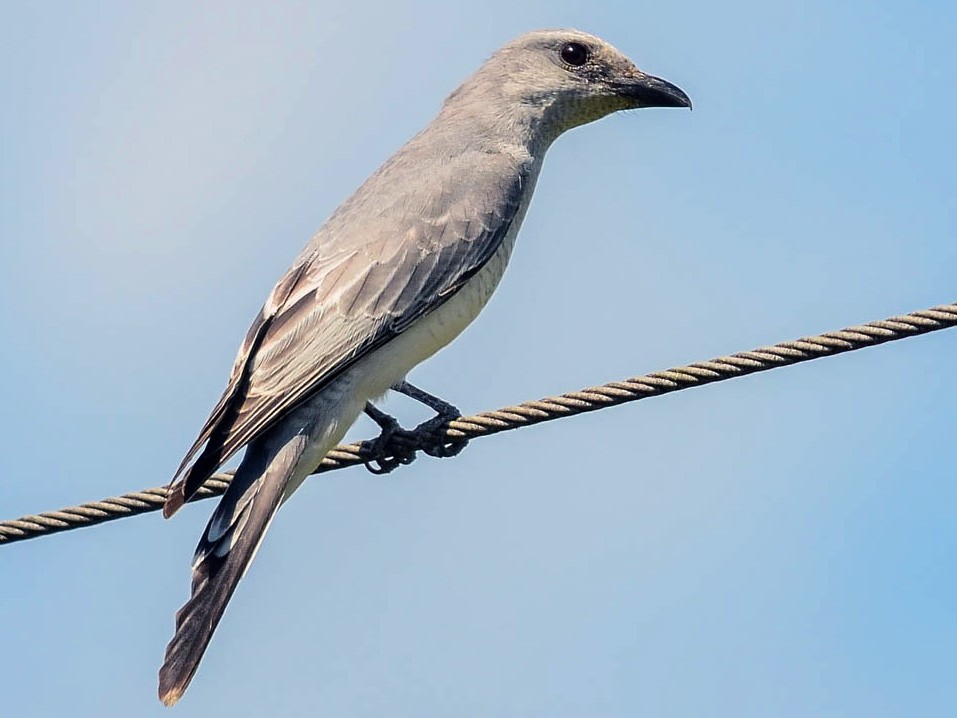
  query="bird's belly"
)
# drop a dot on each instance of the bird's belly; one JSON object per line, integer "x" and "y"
{"x": 391, "y": 362}
{"x": 340, "y": 402}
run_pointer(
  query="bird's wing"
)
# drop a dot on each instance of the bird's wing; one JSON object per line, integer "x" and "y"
{"x": 354, "y": 289}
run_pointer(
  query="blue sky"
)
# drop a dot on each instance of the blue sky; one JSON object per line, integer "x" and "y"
{"x": 779, "y": 545}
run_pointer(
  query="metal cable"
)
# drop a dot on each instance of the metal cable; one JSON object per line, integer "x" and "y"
{"x": 526, "y": 414}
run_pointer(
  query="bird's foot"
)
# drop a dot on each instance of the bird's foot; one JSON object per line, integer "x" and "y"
{"x": 446, "y": 413}
{"x": 395, "y": 446}
{"x": 391, "y": 449}
{"x": 444, "y": 447}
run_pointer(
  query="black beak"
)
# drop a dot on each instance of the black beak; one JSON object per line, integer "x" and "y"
{"x": 651, "y": 91}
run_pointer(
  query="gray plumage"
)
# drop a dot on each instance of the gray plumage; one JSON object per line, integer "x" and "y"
{"x": 393, "y": 275}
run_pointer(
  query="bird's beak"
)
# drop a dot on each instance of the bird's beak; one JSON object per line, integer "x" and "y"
{"x": 650, "y": 91}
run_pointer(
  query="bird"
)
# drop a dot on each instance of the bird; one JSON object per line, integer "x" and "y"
{"x": 395, "y": 273}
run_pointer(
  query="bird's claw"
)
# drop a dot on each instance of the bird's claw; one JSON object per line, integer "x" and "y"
{"x": 389, "y": 451}
{"x": 446, "y": 447}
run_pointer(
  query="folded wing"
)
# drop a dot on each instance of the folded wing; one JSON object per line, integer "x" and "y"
{"x": 355, "y": 287}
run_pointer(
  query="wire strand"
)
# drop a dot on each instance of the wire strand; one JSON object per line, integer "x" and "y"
{"x": 525, "y": 414}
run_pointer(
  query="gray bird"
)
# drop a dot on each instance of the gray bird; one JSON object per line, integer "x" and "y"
{"x": 396, "y": 273}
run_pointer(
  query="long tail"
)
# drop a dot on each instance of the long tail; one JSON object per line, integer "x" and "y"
{"x": 225, "y": 551}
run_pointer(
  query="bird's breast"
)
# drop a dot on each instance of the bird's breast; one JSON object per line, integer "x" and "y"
{"x": 391, "y": 362}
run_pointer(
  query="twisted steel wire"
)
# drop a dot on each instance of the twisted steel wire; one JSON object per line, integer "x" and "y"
{"x": 525, "y": 414}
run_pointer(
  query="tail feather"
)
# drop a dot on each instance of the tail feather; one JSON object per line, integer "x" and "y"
{"x": 193, "y": 478}
{"x": 228, "y": 546}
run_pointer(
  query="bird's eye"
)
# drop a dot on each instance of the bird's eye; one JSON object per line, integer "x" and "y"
{"x": 574, "y": 53}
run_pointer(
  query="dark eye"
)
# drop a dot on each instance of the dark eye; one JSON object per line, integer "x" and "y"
{"x": 574, "y": 53}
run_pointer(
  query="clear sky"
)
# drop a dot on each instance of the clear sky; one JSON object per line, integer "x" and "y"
{"x": 778, "y": 545}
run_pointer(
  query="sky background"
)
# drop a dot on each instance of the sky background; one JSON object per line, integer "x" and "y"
{"x": 778, "y": 545}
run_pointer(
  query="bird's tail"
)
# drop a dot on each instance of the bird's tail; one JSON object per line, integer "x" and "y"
{"x": 227, "y": 548}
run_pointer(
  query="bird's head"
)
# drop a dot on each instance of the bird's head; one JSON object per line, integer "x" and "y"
{"x": 568, "y": 78}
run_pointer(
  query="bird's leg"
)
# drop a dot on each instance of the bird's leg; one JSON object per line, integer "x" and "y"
{"x": 387, "y": 453}
{"x": 391, "y": 448}
{"x": 439, "y": 406}
{"x": 445, "y": 413}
